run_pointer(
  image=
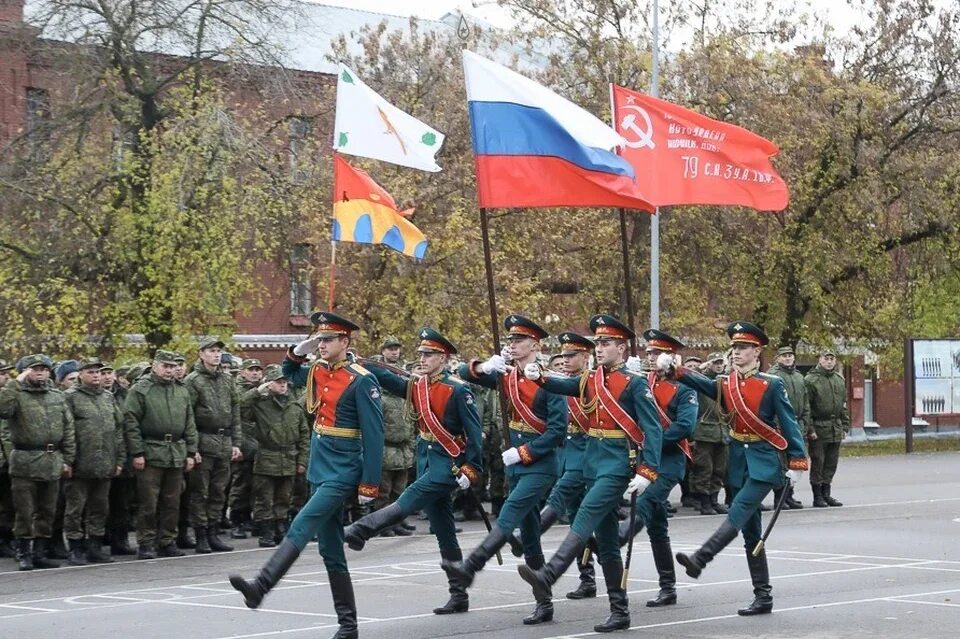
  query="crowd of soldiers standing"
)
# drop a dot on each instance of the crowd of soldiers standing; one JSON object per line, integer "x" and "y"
{"x": 89, "y": 453}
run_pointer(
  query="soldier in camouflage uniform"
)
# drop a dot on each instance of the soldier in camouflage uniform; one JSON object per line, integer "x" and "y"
{"x": 162, "y": 440}
{"x": 488, "y": 405}
{"x": 277, "y": 427}
{"x": 829, "y": 425}
{"x": 399, "y": 435}
{"x": 241, "y": 471}
{"x": 786, "y": 369}
{"x": 216, "y": 409}
{"x": 709, "y": 469}
{"x": 101, "y": 454}
{"x": 6, "y": 500}
{"x": 123, "y": 487}
{"x": 40, "y": 437}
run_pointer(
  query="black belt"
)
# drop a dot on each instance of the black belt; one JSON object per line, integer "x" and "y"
{"x": 47, "y": 448}
{"x": 166, "y": 439}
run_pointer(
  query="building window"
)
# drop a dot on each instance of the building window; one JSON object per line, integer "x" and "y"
{"x": 300, "y": 129}
{"x": 301, "y": 298}
{"x": 38, "y": 114}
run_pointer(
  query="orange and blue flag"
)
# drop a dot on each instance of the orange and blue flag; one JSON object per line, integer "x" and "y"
{"x": 363, "y": 212}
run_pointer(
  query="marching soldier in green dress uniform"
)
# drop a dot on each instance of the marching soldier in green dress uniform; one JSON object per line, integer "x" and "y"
{"x": 569, "y": 490}
{"x": 754, "y": 401}
{"x": 677, "y": 409}
{"x": 538, "y": 425}
{"x": 449, "y": 454}
{"x": 621, "y": 458}
{"x": 345, "y": 456}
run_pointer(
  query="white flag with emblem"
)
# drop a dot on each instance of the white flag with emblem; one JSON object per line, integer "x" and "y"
{"x": 368, "y": 126}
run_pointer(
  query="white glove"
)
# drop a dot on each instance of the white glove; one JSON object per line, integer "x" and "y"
{"x": 794, "y": 476}
{"x": 637, "y": 485}
{"x": 463, "y": 481}
{"x": 493, "y": 365}
{"x": 666, "y": 362}
{"x": 363, "y": 500}
{"x": 634, "y": 364}
{"x": 505, "y": 354}
{"x": 510, "y": 457}
{"x": 307, "y": 346}
{"x": 532, "y": 371}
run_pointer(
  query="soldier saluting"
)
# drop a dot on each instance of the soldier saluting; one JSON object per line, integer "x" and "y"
{"x": 345, "y": 457}
{"x": 753, "y": 401}
{"x": 449, "y": 452}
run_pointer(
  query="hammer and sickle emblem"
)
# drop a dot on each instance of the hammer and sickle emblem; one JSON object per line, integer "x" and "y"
{"x": 644, "y": 136}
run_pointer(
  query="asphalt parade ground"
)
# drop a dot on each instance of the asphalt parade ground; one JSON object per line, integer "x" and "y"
{"x": 887, "y": 564}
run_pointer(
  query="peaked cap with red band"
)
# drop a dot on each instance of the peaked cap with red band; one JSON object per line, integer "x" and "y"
{"x": 431, "y": 341}
{"x": 747, "y": 333}
{"x": 520, "y": 326}
{"x": 571, "y": 343}
{"x": 610, "y": 326}
{"x": 658, "y": 340}
{"x": 330, "y": 325}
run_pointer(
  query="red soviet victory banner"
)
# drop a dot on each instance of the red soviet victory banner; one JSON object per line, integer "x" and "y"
{"x": 682, "y": 157}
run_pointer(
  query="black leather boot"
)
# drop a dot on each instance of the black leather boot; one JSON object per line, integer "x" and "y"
{"x": 818, "y": 500}
{"x": 185, "y": 537}
{"x": 213, "y": 538}
{"x": 791, "y": 502}
{"x": 280, "y": 529}
{"x": 95, "y": 552}
{"x": 77, "y": 555}
{"x": 120, "y": 542}
{"x": 619, "y": 618}
{"x": 663, "y": 560}
{"x": 344, "y": 605}
{"x": 24, "y": 554}
{"x": 623, "y": 532}
{"x": 706, "y": 507}
{"x": 265, "y": 531}
{"x": 827, "y": 497}
{"x": 696, "y": 562}
{"x": 237, "y": 518}
{"x": 544, "y": 610}
{"x": 459, "y": 600}
{"x": 465, "y": 571}
{"x": 41, "y": 554}
{"x": 276, "y": 567}
{"x": 588, "y": 580}
{"x": 762, "y": 590}
{"x": 543, "y": 579}
{"x": 357, "y": 533}
{"x": 718, "y": 508}
{"x": 202, "y": 545}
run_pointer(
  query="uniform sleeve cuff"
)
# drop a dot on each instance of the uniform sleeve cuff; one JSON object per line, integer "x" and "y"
{"x": 293, "y": 357}
{"x": 526, "y": 457}
{"x": 473, "y": 373}
{"x": 798, "y": 463}
{"x": 647, "y": 472}
{"x": 470, "y": 473}
{"x": 368, "y": 490}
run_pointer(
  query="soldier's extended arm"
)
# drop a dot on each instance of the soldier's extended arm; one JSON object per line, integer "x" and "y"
{"x": 686, "y": 416}
{"x": 471, "y": 373}
{"x": 370, "y": 416}
{"x": 295, "y": 369}
{"x": 649, "y": 422}
{"x": 698, "y": 382}
{"x": 389, "y": 381}
{"x": 471, "y": 462}
{"x": 569, "y": 386}
{"x": 796, "y": 451}
{"x": 8, "y": 399}
{"x": 556, "y": 432}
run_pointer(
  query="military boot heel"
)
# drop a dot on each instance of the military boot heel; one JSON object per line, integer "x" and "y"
{"x": 357, "y": 533}
{"x": 663, "y": 560}
{"x": 465, "y": 571}
{"x": 95, "y": 552}
{"x": 276, "y": 567}
{"x": 818, "y": 500}
{"x": 459, "y": 600}
{"x": 120, "y": 542}
{"x": 718, "y": 508}
{"x": 827, "y": 497}
{"x": 544, "y": 610}
{"x": 588, "y": 581}
{"x": 24, "y": 555}
{"x": 41, "y": 554}
{"x": 619, "y": 618}
{"x": 344, "y": 604}
{"x": 265, "y": 530}
{"x": 762, "y": 590}
{"x": 543, "y": 579}
{"x": 76, "y": 556}
{"x": 213, "y": 539}
{"x": 695, "y": 563}
{"x": 202, "y": 545}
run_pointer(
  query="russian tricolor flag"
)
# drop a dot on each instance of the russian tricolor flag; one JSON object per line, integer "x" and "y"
{"x": 534, "y": 148}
